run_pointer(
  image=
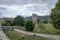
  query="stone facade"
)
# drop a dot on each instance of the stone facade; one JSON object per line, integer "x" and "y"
{"x": 34, "y": 18}
{"x": 6, "y": 19}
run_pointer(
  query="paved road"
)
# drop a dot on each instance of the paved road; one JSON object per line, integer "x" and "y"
{"x": 57, "y": 37}
{"x": 3, "y": 36}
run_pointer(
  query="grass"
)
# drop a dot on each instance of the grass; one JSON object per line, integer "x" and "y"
{"x": 50, "y": 29}
{"x": 46, "y": 28}
{"x": 13, "y": 35}
{"x": 18, "y": 27}
{"x": 42, "y": 28}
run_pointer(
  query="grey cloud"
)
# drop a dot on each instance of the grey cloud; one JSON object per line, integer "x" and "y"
{"x": 22, "y": 2}
{"x": 14, "y": 2}
{"x": 5, "y": 10}
{"x": 2, "y": 8}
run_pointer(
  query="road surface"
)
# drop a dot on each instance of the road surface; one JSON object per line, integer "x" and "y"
{"x": 3, "y": 36}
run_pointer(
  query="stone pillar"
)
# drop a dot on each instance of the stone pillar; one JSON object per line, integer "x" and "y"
{"x": 34, "y": 18}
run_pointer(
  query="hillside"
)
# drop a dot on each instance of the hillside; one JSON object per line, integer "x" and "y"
{"x": 40, "y": 17}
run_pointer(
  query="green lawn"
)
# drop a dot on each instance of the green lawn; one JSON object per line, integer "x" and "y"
{"x": 13, "y": 35}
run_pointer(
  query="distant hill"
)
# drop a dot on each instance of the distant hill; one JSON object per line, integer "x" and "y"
{"x": 40, "y": 17}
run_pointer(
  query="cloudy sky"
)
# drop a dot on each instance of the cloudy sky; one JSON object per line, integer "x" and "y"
{"x": 11, "y": 8}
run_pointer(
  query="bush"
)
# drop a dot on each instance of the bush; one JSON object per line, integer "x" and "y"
{"x": 45, "y": 28}
{"x": 58, "y": 32}
{"x": 41, "y": 28}
{"x": 45, "y": 22}
{"x": 29, "y": 26}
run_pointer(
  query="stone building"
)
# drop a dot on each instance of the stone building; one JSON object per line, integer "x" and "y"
{"x": 6, "y": 19}
{"x": 34, "y": 18}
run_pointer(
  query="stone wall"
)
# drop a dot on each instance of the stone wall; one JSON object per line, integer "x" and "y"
{"x": 6, "y": 19}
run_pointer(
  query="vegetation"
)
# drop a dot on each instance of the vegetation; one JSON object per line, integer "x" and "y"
{"x": 19, "y": 21}
{"x": 7, "y": 23}
{"x": 45, "y": 22}
{"x": 29, "y": 26}
{"x": 13, "y": 35}
{"x": 55, "y": 15}
{"x": 46, "y": 29}
{"x": 42, "y": 28}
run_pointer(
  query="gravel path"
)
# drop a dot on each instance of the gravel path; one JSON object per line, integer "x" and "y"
{"x": 57, "y": 37}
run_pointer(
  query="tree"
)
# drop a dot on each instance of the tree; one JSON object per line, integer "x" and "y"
{"x": 55, "y": 15}
{"x": 19, "y": 21}
{"x": 7, "y": 23}
{"x": 38, "y": 20}
{"x": 29, "y": 26}
{"x": 45, "y": 21}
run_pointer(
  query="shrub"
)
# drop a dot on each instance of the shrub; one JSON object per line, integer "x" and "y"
{"x": 41, "y": 28}
{"x": 58, "y": 32}
{"x": 29, "y": 26}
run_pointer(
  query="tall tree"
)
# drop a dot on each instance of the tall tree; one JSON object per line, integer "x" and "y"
{"x": 19, "y": 21}
{"x": 55, "y": 15}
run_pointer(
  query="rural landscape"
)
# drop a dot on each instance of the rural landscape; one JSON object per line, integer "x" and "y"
{"x": 30, "y": 20}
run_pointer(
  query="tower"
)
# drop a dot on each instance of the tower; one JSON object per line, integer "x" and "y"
{"x": 34, "y": 18}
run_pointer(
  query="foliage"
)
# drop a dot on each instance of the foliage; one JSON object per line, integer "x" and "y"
{"x": 29, "y": 26}
{"x": 40, "y": 28}
{"x": 58, "y": 32}
{"x": 55, "y": 15}
{"x": 45, "y": 22}
{"x": 19, "y": 21}
{"x": 13, "y": 35}
{"x": 7, "y": 23}
{"x": 45, "y": 28}
{"x": 38, "y": 20}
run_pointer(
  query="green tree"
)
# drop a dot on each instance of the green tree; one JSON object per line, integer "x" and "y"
{"x": 29, "y": 26}
{"x": 7, "y": 23}
{"x": 38, "y": 20}
{"x": 55, "y": 15}
{"x": 19, "y": 21}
